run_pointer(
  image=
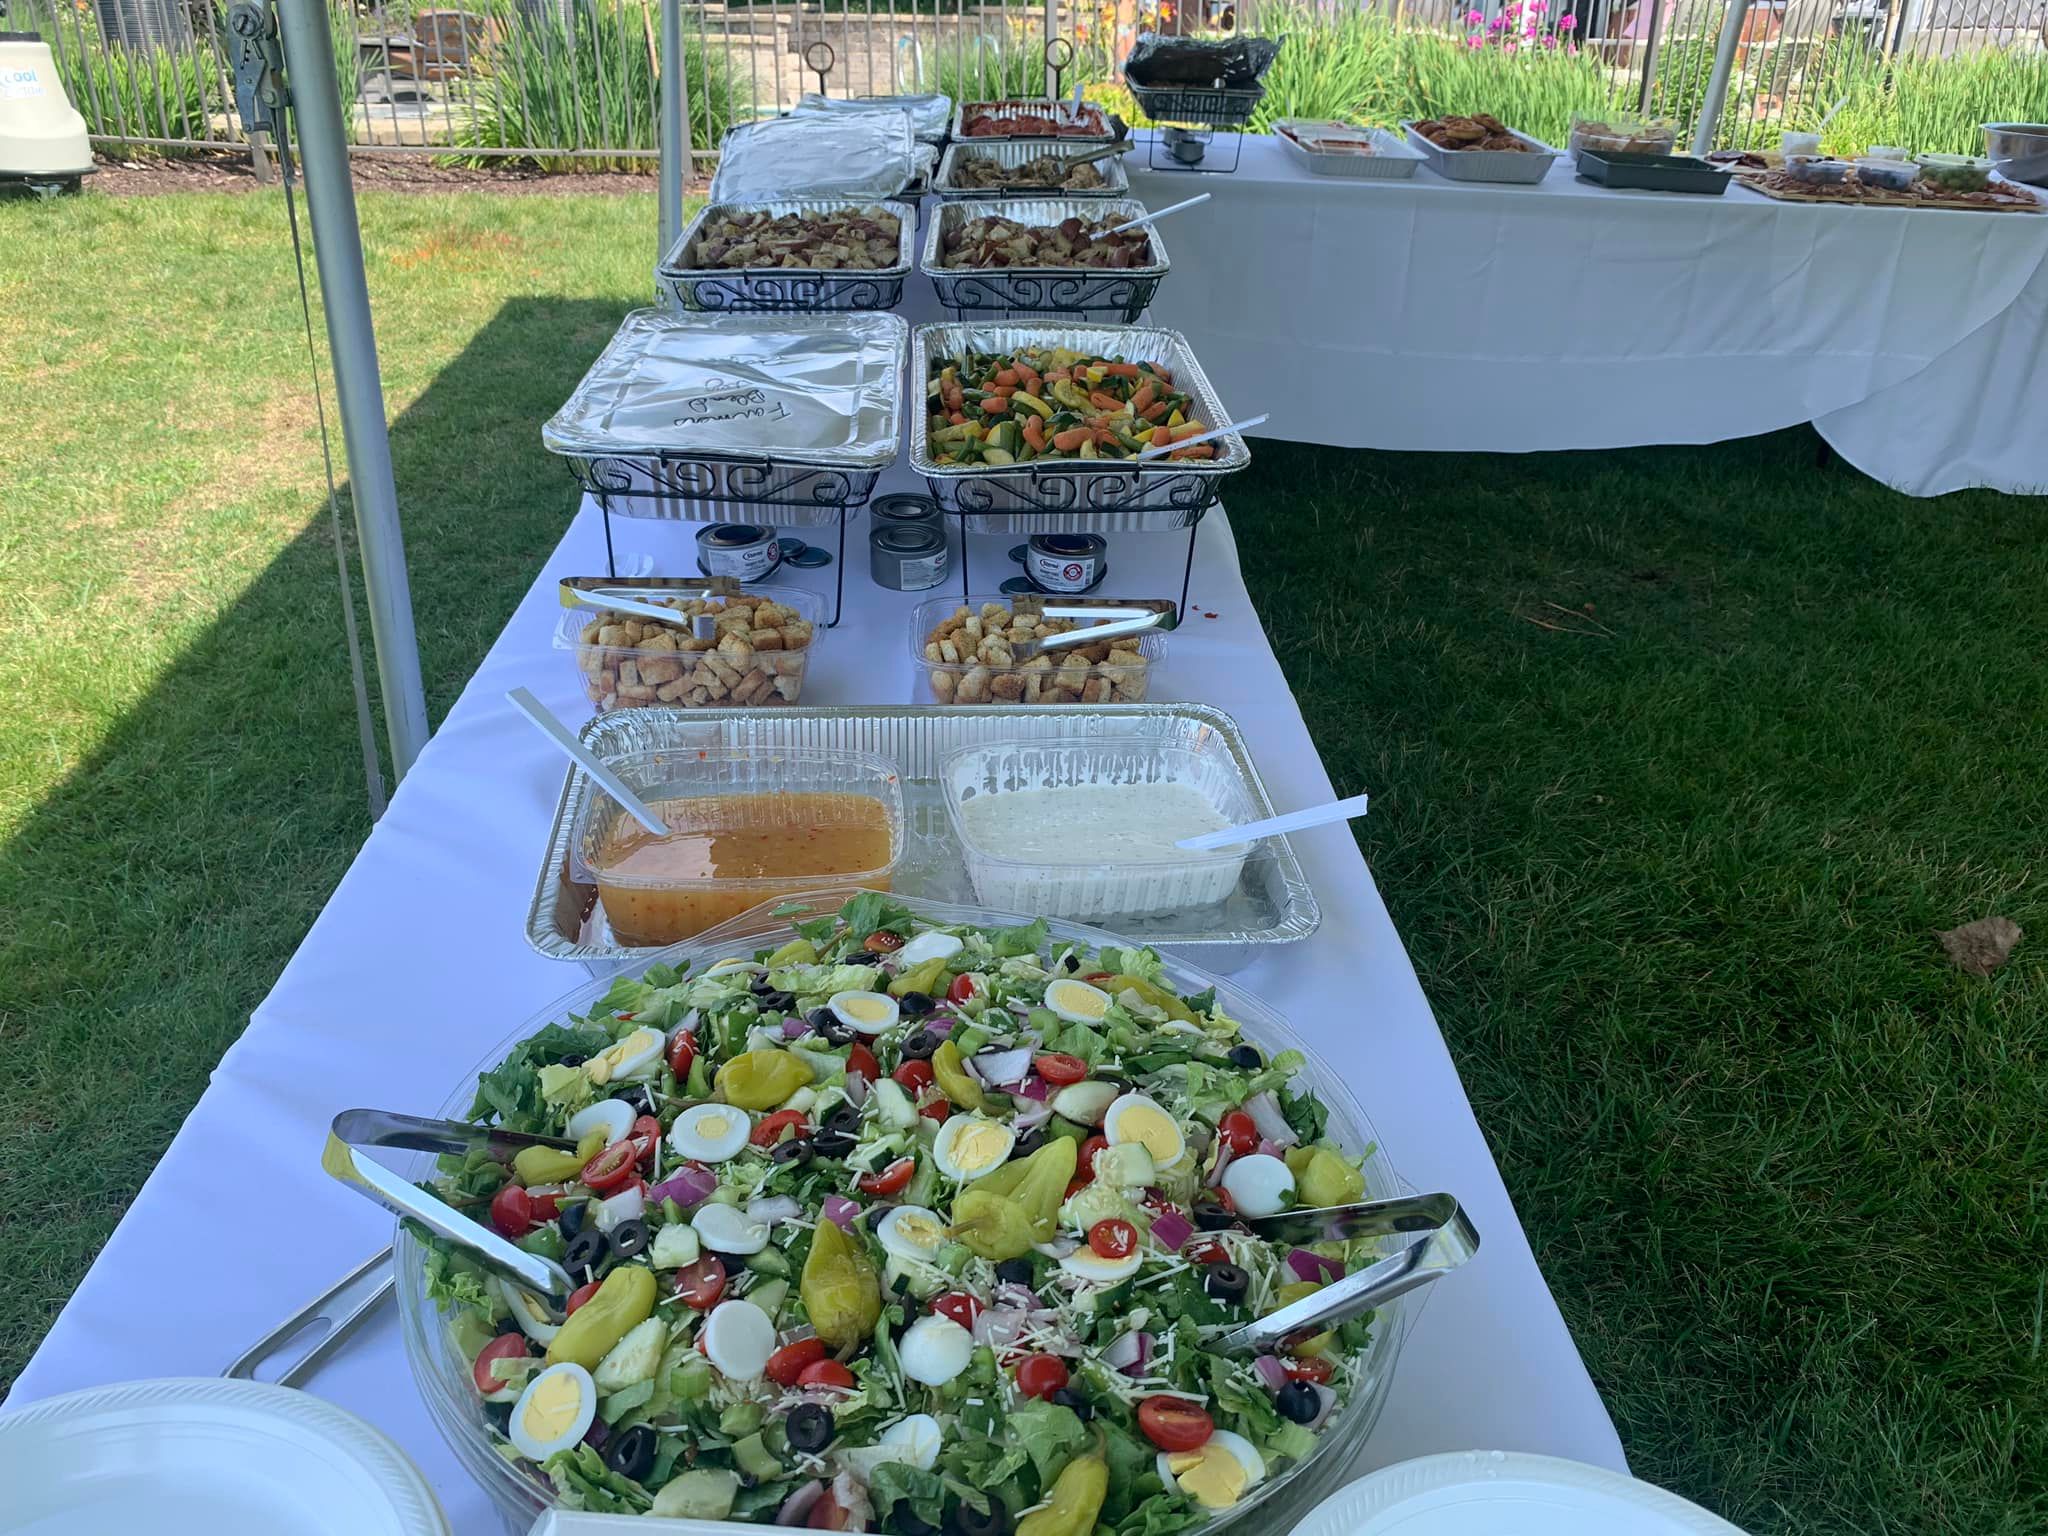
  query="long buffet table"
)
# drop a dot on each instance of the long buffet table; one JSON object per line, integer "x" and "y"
{"x": 418, "y": 966}
{"x": 1430, "y": 314}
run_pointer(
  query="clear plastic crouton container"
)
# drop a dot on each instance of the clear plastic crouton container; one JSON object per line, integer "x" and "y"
{"x": 752, "y": 654}
{"x": 1088, "y": 886}
{"x": 965, "y": 648}
{"x": 739, "y": 811}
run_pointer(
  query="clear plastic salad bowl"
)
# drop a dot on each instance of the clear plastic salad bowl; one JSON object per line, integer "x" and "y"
{"x": 519, "y": 1490}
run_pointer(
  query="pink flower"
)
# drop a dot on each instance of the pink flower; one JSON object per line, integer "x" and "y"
{"x": 1510, "y": 45}
{"x": 1550, "y": 42}
{"x": 1475, "y": 41}
{"x": 1529, "y": 30}
{"x": 1539, "y": 6}
{"x": 1566, "y": 22}
{"x": 1496, "y": 24}
{"x": 1474, "y": 18}
{"x": 1572, "y": 49}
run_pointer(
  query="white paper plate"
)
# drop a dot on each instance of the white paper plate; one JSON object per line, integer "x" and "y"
{"x": 204, "y": 1457}
{"x": 1501, "y": 1493}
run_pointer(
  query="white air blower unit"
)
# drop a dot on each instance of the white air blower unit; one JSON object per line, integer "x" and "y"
{"x": 42, "y": 140}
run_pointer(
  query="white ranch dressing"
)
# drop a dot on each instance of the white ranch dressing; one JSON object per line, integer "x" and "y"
{"x": 1090, "y": 823}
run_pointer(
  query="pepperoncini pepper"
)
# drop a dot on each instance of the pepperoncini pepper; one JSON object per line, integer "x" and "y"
{"x": 999, "y": 1217}
{"x": 1287, "y": 1295}
{"x": 622, "y": 1303}
{"x": 1075, "y": 1501}
{"x": 547, "y": 1165}
{"x": 762, "y": 1079}
{"x": 1150, "y": 992}
{"x": 840, "y": 1289}
{"x": 919, "y": 978}
{"x": 953, "y": 1079}
{"x": 1321, "y": 1177}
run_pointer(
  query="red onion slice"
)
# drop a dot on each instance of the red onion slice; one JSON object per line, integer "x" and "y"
{"x": 1129, "y": 1353}
{"x": 1036, "y": 1089}
{"x": 1265, "y": 1112}
{"x": 841, "y": 1211}
{"x": 798, "y": 1505}
{"x": 1271, "y": 1372}
{"x": 689, "y": 1185}
{"x": 1172, "y": 1229}
{"x": 1313, "y": 1266}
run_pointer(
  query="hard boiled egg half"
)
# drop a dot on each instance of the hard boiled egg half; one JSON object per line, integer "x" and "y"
{"x": 934, "y": 1350}
{"x": 970, "y": 1146}
{"x": 1084, "y": 1263}
{"x": 867, "y": 1012}
{"x": 738, "y": 1339}
{"x": 710, "y": 1133}
{"x": 927, "y": 946}
{"x": 636, "y": 1056}
{"x": 911, "y": 1232}
{"x": 1216, "y": 1473}
{"x": 1136, "y": 1117}
{"x": 1076, "y": 1001}
{"x": 1258, "y": 1185}
{"x": 615, "y": 1116}
{"x": 554, "y": 1412}
{"x": 917, "y": 1438}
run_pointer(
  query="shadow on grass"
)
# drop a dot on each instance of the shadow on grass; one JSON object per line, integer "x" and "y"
{"x": 148, "y": 904}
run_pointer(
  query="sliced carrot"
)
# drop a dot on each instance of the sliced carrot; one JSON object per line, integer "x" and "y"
{"x": 1034, "y": 388}
{"x": 1034, "y": 433}
{"x": 958, "y": 418}
{"x": 1027, "y": 373}
{"x": 1072, "y": 438}
{"x": 1005, "y": 390}
{"x": 1141, "y": 399}
{"x": 1103, "y": 402}
{"x": 1156, "y": 412}
{"x": 1008, "y": 376}
{"x": 1199, "y": 451}
{"x": 1121, "y": 370}
{"x": 1161, "y": 437}
{"x": 995, "y": 405}
{"x": 1186, "y": 429}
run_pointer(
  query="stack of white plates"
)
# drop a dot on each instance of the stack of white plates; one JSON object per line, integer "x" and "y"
{"x": 202, "y": 1458}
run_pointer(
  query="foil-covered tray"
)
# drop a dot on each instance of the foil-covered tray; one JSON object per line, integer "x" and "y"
{"x": 1011, "y": 153}
{"x": 931, "y": 115}
{"x": 1111, "y": 295}
{"x": 1072, "y": 495}
{"x": 1085, "y": 124}
{"x": 868, "y": 155}
{"x": 682, "y": 416}
{"x": 802, "y": 289}
{"x": 1273, "y": 903}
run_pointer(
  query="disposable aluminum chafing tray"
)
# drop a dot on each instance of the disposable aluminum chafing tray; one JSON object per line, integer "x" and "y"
{"x": 1088, "y": 116}
{"x": 1101, "y": 294}
{"x": 805, "y": 289}
{"x": 1273, "y": 903}
{"x": 1011, "y": 153}
{"x": 621, "y": 440}
{"x": 1072, "y": 495}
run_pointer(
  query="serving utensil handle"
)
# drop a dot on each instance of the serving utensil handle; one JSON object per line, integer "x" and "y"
{"x": 342, "y": 1307}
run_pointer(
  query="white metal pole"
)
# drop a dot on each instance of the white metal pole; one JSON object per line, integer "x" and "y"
{"x": 359, "y": 392}
{"x": 1717, "y": 83}
{"x": 675, "y": 146}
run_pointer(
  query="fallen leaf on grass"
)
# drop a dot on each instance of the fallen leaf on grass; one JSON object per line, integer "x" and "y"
{"x": 1981, "y": 947}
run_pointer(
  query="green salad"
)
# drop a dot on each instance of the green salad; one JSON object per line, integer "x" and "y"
{"x": 903, "y": 1228}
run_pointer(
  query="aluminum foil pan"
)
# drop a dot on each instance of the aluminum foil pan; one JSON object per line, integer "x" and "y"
{"x": 1085, "y": 124}
{"x": 1072, "y": 495}
{"x": 1010, "y": 153}
{"x": 1117, "y": 295}
{"x": 786, "y": 288}
{"x": 1272, "y": 904}
{"x": 931, "y": 116}
{"x": 860, "y": 155}
{"x": 799, "y": 389}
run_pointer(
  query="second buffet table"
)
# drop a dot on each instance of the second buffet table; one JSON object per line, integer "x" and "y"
{"x": 1428, "y": 314}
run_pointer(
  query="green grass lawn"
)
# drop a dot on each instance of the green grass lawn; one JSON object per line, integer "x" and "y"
{"x": 1677, "y": 759}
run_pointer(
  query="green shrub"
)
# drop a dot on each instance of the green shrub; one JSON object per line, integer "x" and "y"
{"x": 551, "y": 86}
{"x": 1937, "y": 106}
{"x": 1538, "y": 91}
{"x": 137, "y": 93}
{"x": 1344, "y": 65}
{"x": 985, "y": 70}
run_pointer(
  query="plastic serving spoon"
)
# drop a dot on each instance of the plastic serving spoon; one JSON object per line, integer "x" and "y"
{"x": 1154, "y": 218}
{"x": 1293, "y": 821}
{"x": 587, "y": 760}
{"x": 1209, "y": 436}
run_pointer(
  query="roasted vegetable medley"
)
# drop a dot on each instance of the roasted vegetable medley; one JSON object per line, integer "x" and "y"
{"x": 992, "y": 241}
{"x": 906, "y": 1229}
{"x": 986, "y": 172}
{"x": 1056, "y": 403}
{"x": 849, "y": 239}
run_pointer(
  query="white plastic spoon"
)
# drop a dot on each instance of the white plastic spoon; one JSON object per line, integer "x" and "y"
{"x": 1202, "y": 437}
{"x": 1293, "y": 821}
{"x": 1154, "y": 218}
{"x": 588, "y": 761}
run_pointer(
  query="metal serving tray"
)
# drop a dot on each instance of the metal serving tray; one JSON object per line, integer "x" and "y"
{"x": 1105, "y": 295}
{"x": 1072, "y": 495}
{"x": 1011, "y": 153}
{"x": 1088, "y": 115}
{"x": 788, "y": 288}
{"x": 1391, "y": 161}
{"x": 620, "y": 439}
{"x": 1207, "y": 106}
{"x": 1498, "y": 166}
{"x": 1273, "y": 903}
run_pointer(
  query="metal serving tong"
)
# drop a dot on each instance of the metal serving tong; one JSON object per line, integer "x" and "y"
{"x": 1450, "y": 1239}
{"x": 338, "y": 1311}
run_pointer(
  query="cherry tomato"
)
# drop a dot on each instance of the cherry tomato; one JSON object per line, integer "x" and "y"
{"x": 890, "y": 1181}
{"x": 681, "y": 1052}
{"x": 827, "y": 1373}
{"x": 770, "y": 1130}
{"x": 967, "y": 984}
{"x": 1075, "y": 1186}
{"x": 1174, "y": 1424}
{"x": 512, "y": 1212}
{"x": 609, "y": 1171}
{"x": 862, "y": 1060}
{"x": 581, "y": 1294}
{"x": 1240, "y": 1133}
{"x": 1094, "y": 976}
{"x": 959, "y": 1306}
{"x": 828, "y": 1514}
{"x": 1041, "y": 1375}
{"x": 506, "y": 1346}
{"x": 1206, "y": 1251}
{"x": 545, "y": 1207}
{"x": 1085, "y": 1163}
{"x": 1114, "y": 1238}
{"x": 914, "y": 1077}
{"x": 938, "y": 1109}
{"x": 702, "y": 1283}
{"x": 645, "y": 1136}
{"x": 1308, "y": 1368}
{"x": 1060, "y": 1069}
{"x": 882, "y": 942}
{"x": 789, "y": 1363}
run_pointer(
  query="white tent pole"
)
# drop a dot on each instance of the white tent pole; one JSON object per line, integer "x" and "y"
{"x": 359, "y": 392}
{"x": 1717, "y": 83}
{"x": 675, "y": 148}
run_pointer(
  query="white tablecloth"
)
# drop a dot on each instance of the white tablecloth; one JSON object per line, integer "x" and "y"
{"x": 1431, "y": 314}
{"x": 418, "y": 966}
